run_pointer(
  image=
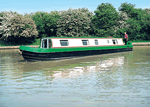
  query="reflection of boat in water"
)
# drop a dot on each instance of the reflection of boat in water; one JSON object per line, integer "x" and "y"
{"x": 99, "y": 66}
{"x": 54, "y": 47}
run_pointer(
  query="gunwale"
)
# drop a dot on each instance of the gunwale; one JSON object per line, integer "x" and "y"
{"x": 52, "y": 50}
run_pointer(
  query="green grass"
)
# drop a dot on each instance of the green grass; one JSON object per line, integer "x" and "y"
{"x": 37, "y": 42}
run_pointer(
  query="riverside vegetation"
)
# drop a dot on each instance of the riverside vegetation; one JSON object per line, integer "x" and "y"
{"x": 17, "y": 29}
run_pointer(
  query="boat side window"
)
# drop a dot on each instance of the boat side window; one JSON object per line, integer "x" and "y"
{"x": 85, "y": 42}
{"x": 108, "y": 41}
{"x": 115, "y": 41}
{"x": 64, "y": 42}
{"x": 96, "y": 42}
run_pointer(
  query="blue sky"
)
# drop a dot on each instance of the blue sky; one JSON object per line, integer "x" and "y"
{"x": 28, "y": 6}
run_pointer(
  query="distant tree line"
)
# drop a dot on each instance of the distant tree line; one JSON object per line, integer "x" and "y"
{"x": 104, "y": 22}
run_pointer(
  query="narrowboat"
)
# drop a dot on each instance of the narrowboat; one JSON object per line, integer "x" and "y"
{"x": 60, "y": 47}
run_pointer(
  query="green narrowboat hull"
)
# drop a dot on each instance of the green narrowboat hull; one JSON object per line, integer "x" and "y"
{"x": 31, "y": 54}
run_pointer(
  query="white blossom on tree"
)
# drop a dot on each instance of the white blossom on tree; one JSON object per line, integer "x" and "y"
{"x": 15, "y": 26}
{"x": 122, "y": 22}
{"x": 5, "y": 24}
{"x": 74, "y": 22}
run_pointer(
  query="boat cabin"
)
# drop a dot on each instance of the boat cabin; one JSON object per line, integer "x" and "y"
{"x": 79, "y": 42}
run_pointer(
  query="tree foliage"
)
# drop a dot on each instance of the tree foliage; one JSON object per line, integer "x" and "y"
{"x": 105, "y": 19}
{"x": 1, "y": 15}
{"x": 147, "y": 10}
{"x": 127, "y": 8}
{"x": 17, "y": 28}
{"x": 122, "y": 22}
{"x": 46, "y": 22}
{"x": 74, "y": 22}
{"x": 5, "y": 24}
{"x": 122, "y": 25}
{"x": 138, "y": 20}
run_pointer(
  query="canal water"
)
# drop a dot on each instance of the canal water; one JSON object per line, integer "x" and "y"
{"x": 110, "y": 80}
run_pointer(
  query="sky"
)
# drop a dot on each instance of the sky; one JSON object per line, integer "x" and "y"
{"x": 29, "y": 6}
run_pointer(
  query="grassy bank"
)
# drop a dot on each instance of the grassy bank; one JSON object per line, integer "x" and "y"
{"x": 37, "y": 42}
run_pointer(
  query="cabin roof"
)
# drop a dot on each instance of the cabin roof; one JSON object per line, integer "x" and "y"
{"x": 83, "y": 37}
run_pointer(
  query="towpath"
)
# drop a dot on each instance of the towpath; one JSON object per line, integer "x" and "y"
{"x": 15, "y": 47}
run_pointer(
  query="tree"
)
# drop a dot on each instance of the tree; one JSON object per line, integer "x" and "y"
{"x": 51, "y": 23}
{"x": 5, "y": 24}
{"x": 138, "y": 21}
{"x": 46, "y": 23}
{"x": 17, "y": 29}
{"x": 1, "y": 15}
{"x": 127, "y": 8}
{"x": 105, "y": 19}
{"x": 122, "y": 25}
{"x": 122, "y": 22}
{"x": 147, "y": 10}
{"x": 74, "y": 23}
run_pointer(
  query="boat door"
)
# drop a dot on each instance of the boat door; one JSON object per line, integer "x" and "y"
{"x": 46, "y": 43}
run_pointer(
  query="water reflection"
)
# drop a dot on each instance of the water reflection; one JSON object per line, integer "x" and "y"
{"x": 96, "y": 66}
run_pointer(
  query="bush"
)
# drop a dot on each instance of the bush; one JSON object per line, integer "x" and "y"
{"x": 16, "y": 29}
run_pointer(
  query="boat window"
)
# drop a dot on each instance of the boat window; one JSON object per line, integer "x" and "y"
{"x": 64, "y": 42}
{"x": 96, "y": 42}
{"x": 115, "y": 41}
{"x": 85, "y": 42}
{"x": 108, "y": 41}
{"x": 46, "y": 43}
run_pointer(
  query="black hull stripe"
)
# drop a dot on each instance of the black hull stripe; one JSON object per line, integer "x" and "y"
{"x": 48, "y": 56}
